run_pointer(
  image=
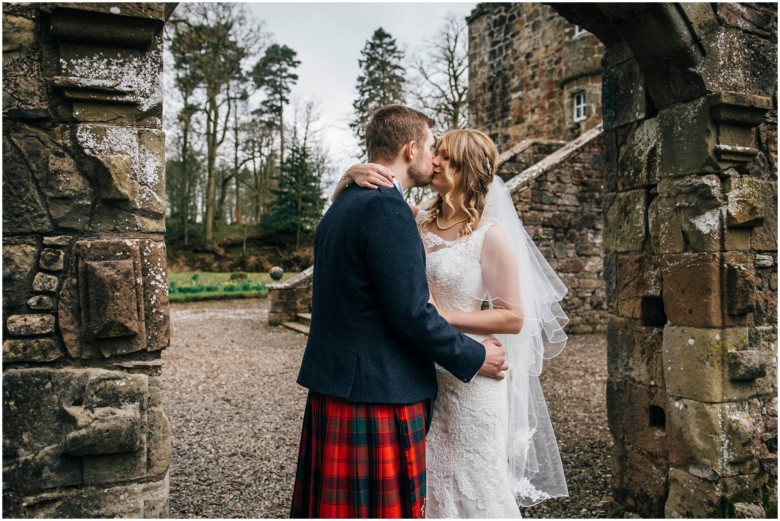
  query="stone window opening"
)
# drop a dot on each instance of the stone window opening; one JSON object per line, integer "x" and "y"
{"x": 657, "y": 417}
{"x": 578, "y": 105}
{"x": 578, "y": 31}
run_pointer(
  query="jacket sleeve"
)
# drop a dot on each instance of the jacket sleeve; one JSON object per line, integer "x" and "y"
{"x": 396, "y": 262}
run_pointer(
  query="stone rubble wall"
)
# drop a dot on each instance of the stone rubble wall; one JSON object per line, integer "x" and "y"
{"x": 561, "y": 210}
{"x": 524, "y": 63}
{"x": 85, "y": 299}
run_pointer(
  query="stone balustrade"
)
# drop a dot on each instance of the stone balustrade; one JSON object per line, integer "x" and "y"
{"x": 291, "y": 297}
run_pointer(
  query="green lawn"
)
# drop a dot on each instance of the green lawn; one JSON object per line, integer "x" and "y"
{"x": 188, "y": 287}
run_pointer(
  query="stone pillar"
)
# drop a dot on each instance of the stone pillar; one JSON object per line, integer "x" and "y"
{"x": 85, "y": 304}
{"x": 691, "y": 257}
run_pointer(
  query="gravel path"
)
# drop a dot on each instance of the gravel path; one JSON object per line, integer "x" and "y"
{"x": 574, "y": 386}
{"x": 235, "y": 411}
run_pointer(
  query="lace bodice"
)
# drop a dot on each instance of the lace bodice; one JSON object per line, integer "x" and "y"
{"x": 454, "y": 270}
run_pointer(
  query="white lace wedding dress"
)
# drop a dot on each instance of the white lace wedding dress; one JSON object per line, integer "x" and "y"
{"x": 467, "y": 469}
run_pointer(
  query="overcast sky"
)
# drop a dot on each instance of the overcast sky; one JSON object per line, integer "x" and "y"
{"x": 328, "y": 38}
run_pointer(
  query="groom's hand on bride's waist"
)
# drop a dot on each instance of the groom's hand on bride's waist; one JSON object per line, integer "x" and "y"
{"x": 495, "y": 359}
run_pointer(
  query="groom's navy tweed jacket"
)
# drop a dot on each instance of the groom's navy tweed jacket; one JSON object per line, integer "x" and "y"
{"x": 374, "y": 338}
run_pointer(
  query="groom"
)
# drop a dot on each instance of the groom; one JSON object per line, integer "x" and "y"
{"x": 369, "y": 361}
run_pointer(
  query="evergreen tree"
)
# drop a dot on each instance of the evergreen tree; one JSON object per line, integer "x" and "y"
{"x": 274, "y": 74}
{"x": 380, "y": 83}
{"x": 298, "y": 203}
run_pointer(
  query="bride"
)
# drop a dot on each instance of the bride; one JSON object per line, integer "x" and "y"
{"x": 491, "y": 445}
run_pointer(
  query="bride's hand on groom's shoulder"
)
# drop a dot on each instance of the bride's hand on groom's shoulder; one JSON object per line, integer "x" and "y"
{"x": 495, "y": 359}
{"x": 371, "y": 175}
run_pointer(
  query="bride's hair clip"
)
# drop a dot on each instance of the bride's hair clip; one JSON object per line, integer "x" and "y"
{"x": 487, "y": 165}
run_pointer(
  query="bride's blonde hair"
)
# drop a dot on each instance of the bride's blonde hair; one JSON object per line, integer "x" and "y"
{"x": 472, "y": 154}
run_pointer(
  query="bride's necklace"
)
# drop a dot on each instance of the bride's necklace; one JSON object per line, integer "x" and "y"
{"x": 445, "y": 228}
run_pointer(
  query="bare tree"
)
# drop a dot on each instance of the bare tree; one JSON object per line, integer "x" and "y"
{"x": 441, "y": 74}
{"x": 214, "y": 41}
{"x": 257, "y": 149}
{"x": 184, "y": 172}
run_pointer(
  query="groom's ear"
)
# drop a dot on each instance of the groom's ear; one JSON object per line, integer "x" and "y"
{"x": 409, "y": 150}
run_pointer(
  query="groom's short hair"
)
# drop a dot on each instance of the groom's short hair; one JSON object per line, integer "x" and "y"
{"x": 391, "y": 127}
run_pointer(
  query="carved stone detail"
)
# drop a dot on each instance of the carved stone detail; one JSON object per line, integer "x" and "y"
{"x": 103, "y": 430}
{"x": 92, "y": 419}
{"x": 745, "y": 208}
{"x": 747, "y": 365}
{"x": 115, "y": 180}
{"x": 113, "y": 300}
{"x": 735, "y": 116}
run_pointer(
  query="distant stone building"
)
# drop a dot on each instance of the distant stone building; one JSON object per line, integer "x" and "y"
{"x": 535, "y": 78}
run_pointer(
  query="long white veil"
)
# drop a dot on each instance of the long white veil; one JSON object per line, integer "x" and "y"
{"x": 535, "y": 463}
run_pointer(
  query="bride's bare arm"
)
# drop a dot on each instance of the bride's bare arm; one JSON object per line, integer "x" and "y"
{"x": 367, "y": 175}
{"x": 499, "y": 270}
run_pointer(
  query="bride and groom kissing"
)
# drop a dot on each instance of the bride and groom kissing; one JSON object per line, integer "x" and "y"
{"x": 398, "y": 320}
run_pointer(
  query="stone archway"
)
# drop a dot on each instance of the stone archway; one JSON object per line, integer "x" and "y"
{"x": 690, "y": 118}
{"x": 690, "y": 235}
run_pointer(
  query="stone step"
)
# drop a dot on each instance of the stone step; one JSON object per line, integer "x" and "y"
{"x": 304, "y": 318}
{"x": 297, "y": 326}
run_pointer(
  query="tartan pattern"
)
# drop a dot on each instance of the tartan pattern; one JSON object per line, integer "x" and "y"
{"x": 360, "y": 460}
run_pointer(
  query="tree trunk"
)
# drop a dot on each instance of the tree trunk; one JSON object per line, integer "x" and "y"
{"x": 186, "y": 173}
{"x": 211, "y": 142}
{"x": 454, "y": 117}
{"x": 238, "y": 219}
{"x": 281, "y": 127}
{"x": 256, "y": 192}
{"x": 237, "y": 214}
{"x": 221, "y": 212}
{"x": 267, "y": 179}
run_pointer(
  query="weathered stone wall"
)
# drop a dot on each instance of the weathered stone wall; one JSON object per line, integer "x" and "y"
{"x": 690, "y": 216}
{"x": 85, "y": 304}
{"x": 524, "y": 66}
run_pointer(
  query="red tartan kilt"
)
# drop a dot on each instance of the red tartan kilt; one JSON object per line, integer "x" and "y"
{"x": 360, "y": 460}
